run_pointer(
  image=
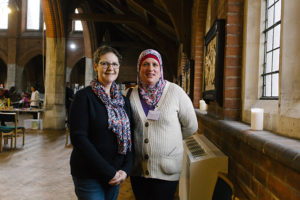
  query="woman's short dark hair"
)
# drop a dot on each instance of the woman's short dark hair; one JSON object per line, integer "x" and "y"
{"x": 34, "y": 86}
{"x": 104, "y": 50}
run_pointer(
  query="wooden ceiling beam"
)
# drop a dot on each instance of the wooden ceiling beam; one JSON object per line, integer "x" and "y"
{"x": 180, "y": 12}
{"x": 175, "y": 13}
{"x": 97, "y": 17}
{"x": 124, "y": 19}
{"x": 155, "y": 12}
{"x": 155, "y": 35}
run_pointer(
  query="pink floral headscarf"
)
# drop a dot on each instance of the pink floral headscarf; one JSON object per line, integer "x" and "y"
{"x": 151, "y": 94}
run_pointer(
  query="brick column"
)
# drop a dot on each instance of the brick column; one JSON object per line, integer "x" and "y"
{"x": 233, "y": 57}
{"x": 198, "y": 28}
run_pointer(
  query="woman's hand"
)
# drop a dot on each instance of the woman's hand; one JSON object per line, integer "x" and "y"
{"x": 118, "y": 178}
{"x": 123, "y": 175}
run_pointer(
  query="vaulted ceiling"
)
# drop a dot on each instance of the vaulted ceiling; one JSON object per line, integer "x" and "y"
{"x": 159, "y": 24}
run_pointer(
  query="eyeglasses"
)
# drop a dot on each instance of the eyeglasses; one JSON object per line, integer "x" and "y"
{"x": 105, "y": 64}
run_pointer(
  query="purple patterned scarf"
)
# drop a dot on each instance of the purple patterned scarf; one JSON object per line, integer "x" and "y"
{"x": 118, "y": 120}
{"x": 151, "y": 93}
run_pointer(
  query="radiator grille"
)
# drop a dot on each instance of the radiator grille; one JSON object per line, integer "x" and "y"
{"x": 194, "y": 147}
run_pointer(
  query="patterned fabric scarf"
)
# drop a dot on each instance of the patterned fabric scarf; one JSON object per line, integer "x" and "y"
{"x": 118, "y": 120}
{"x": 151, "y": 94}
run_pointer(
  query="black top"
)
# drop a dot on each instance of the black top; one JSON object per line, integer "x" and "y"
{"x": 95, "y": 148}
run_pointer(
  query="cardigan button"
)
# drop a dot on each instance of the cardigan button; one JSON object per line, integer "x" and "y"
{"x": 146, "y": 140}
{"x": 147, "y": 124}
{"x": 146, "y": 156}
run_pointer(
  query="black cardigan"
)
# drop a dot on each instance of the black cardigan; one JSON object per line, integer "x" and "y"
{"x": 95, "y": 149}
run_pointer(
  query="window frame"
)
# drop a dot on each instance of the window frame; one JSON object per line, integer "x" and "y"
{"x": 264, "y": 74}
{"x": 41, "y": 22}
{"x": 74, "y": 22}
{"x": 5, "y": 29}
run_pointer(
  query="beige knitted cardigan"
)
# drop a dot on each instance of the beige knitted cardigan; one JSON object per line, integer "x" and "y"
{"x": 158, "y": 143}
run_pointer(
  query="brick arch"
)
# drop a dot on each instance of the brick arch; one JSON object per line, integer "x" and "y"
{"x": 28, "y": 55}
{"x": 74, "y": 61}
{"x": 3, "y": 55}
{"x": 197, "y": 45}
{"x": 53, "y": 17}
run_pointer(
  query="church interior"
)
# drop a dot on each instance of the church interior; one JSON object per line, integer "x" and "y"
{"x": 236, "y": 59}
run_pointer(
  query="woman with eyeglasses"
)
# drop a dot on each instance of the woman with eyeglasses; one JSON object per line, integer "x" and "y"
{"x": 100, "y": 132}
{"x": 163, "y": 115}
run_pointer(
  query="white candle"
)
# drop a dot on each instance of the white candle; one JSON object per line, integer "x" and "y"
{"x": 257, "y": 119}
{"x": 202, "y": 105}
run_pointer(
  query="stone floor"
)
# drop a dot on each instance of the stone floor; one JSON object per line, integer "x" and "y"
{"x": 40, "y": 170}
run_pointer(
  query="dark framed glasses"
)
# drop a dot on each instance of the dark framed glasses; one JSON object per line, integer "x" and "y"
{"x": 105, "y": 64}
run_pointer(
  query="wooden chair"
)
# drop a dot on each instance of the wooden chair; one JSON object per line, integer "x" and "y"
{"x": 5, "y": 136}
{"x": 12, "y": 131}
{"x": 224, "y": 189}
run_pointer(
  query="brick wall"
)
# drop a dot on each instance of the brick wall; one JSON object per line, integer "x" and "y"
{"x": 198, "y": 28}
{"x": 262, "y": 165}
{"x": 233, "y": 57}
{"x": 232, "y": 12}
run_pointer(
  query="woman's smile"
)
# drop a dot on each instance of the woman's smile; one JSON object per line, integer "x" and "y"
{"x": 150, "y": 71}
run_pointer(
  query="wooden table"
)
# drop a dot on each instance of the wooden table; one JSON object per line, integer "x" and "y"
{"x": 25, "y": 110}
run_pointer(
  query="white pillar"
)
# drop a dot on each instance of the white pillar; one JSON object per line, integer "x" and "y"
{"x": 89, "y": 71}
{"x": 54, "y": 114}
{"x": 68, "y": 74}
{"x": 11, "y": 75}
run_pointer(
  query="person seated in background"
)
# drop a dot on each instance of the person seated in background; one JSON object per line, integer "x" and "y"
{"x": 3, "y": 102}
{"x": 24, "y": 102}
{"x": 14, "y": 96}
{"x": 3, "y": 99}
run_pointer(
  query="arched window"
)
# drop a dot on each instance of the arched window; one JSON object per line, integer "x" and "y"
{"x": 4, "y": 14}
{"x": 33, "y": 19}
{"x": 77, "y": 23}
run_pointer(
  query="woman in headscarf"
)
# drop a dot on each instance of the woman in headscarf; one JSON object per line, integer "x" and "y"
{"x": 100, "y": 132}
{"x": 163, "y": 116}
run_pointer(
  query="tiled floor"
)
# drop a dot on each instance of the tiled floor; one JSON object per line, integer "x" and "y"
{"x": 40, "y": 170}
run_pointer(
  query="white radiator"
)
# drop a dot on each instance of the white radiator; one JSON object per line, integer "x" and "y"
{"x": 202, "y": 161}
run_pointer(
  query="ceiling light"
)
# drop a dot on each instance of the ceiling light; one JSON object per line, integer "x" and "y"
{"x": 73, "y": 46}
